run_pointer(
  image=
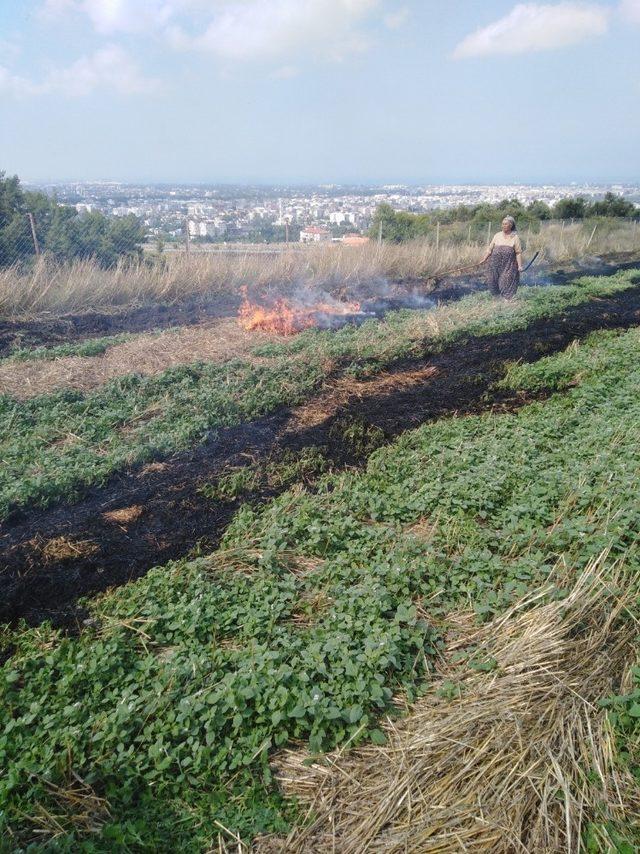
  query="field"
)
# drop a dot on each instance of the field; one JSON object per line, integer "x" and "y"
{"x": 366, "y": 588}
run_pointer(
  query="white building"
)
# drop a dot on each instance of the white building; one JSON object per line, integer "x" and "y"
{"x": 314, "y": 234}
{"x": 206, "y": 228}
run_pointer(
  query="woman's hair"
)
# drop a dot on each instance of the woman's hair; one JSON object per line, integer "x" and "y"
{"x": 512, "y": 221}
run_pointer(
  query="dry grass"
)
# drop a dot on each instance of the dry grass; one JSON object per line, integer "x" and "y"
{"x": 76, "y": 807}
{"x": 146, "y": 354}
{"x": 63, "y": 548}
{"x": 125, "y": 515}
{"x": 51, "y": 287}
{"x": 517, "y": 759}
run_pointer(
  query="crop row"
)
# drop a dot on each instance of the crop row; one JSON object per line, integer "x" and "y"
{"x": 317, "y": 611}
{"x": 56, "y": 445}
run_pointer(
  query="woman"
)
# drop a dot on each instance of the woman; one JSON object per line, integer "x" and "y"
{"x": 505, "y": 252}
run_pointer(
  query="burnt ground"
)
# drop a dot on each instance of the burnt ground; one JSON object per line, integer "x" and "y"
{"x": 171, "y": 517}
{"x": 196, "y": 309}
{"x": 65, "y": 329}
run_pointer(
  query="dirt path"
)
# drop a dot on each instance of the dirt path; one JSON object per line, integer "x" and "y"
{"x": 148, "y": 516}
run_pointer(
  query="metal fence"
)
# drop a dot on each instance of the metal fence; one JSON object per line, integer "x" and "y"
{"x": 109, "y": 239}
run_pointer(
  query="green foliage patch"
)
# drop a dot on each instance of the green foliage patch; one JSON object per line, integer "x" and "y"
{"x": 318, "y": 609}
{"x": 91, "y": 347}
{"x": 274, "y": 473}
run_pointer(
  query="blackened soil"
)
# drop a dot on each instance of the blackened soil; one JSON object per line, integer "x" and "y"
{"x": 66, "y": 329}
{"x": 175, "y": 516}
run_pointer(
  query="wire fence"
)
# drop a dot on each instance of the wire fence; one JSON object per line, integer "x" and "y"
{"x": 109, "y": 240}
{"x": 92, "y": 263}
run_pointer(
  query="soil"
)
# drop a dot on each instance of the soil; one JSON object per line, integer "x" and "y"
{"x": 152, "y": 514}
{"x": 65, "y": 329}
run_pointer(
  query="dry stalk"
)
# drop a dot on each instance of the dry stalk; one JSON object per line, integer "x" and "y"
{"x": 63, "y": 548}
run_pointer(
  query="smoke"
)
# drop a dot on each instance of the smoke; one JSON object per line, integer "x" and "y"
{"x": 301, "y": 306}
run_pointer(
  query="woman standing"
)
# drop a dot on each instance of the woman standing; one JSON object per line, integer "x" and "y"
{"x": 505, "y": 252}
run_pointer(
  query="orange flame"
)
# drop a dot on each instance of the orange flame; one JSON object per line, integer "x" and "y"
{"x": 287, "y": 318}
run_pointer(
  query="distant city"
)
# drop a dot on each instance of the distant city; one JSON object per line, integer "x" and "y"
{"x": 235, "y": 213}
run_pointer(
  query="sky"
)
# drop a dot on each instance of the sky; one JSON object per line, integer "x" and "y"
{"x": 320, "y": 91}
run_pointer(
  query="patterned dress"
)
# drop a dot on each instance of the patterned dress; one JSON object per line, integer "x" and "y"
{"x": 504, "y": 277}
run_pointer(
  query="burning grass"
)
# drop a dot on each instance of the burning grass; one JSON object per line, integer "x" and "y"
{"x": 136, "y": 419}
{"x": 340, "y": 270}
{"x": 287, "y": 317}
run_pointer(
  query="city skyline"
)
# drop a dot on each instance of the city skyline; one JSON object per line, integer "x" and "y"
{"x": 233, "y": 212}
{"x": 305, "y": 92}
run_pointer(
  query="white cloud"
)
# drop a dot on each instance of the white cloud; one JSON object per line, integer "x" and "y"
{"x": 14, "y": 84}
{"x": 630, "y": 9}
{"x": 127, "y": 16}
{"x": 259, "y": 29}
{"x": 239, "y": 29}
{"x": 109, "y": 68}
{"x": 534, "y": 27}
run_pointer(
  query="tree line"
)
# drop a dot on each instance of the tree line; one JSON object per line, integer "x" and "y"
{"x": 61, "y": 231}
{"x": 398, "y": 226}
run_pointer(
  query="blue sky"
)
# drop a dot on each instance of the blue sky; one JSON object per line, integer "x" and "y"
{"x": 371, "y": 91}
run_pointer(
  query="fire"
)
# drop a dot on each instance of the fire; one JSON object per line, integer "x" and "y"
{"x": 284, "y": 317}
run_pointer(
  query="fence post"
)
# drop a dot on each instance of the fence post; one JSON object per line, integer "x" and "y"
{"x": 437, "y": 235}
{"x": 34, "y": 234}
{"x": 469, "y": 235}
{"x": 591, "y": 238}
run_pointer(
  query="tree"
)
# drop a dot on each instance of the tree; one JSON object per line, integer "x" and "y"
{"x": 62, "y": 232}
{"x": 398, "y": 226}
{"x": 572, "y": 208}
{"x": 539, "y": 210}
{"x": 613, "y": 205}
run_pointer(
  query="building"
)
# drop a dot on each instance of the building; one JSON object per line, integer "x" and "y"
{"x": 206, "y": 229}
{"x": 314, "y": 234}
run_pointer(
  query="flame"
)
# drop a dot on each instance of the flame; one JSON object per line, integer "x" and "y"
{"x": 285, "y": 317}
